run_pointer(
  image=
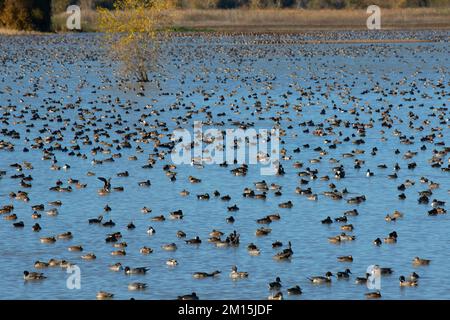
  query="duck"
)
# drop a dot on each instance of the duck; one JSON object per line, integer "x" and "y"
{"x": 138, "y": 270}
{"x": 216, "y": 233}
{"x": 327, "y": 220}
{"x": 377, "y": 242}
{"x": 134, "y": 286}
{"x": 151, "y": 231}
{"x": 146, "y": 250}
{"x": 97, "y": 220}
{"x": 158, "y": 218}
{"x": 343, "y": 274}
{"x": 414, "y": 276}
{"x": 407, "y": 283}
{"x": 103, "y": 295}
{"x": 287, "y": 205}
{"x": 421, "y": 262}
{"x": 195, "y": 240}
{"x": 76, "y": 248}
{"x": 294, "y": 290}
{"x": 118, "y": 253}
{"x": 276, "y": 296}
{"x": 235, "y": 274}
{"x": 263, "y": 231}
{"x": 41, "y": 265}
{"x": 116, "y": 267}
{"x": 192, "y": 296}
{"x": 89, "y": 256}
{"x": 106, "y": 186}
{"x": 176, "y": 215}
{"x": 392, "y": 238}
{"x": 200, "y": 275}
{"x": 345, "y": 259}
{"x": 66, "y": 235}
{"x": 169, "y": 247}
{"x": 362, "y": 280}
{"x": 109, "y": 223}
{"x": 181, "y": 234}
{"x": 275, "y": 285}
{"x": 172, "y": 262}
{"x": 48, "y": 240}
{"x": 321, "y": 279}
{"x": 32, "y": 276}
{"x": 373, "y": 295}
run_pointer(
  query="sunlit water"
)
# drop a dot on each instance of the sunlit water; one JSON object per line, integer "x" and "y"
{"x": 201, "y": 66}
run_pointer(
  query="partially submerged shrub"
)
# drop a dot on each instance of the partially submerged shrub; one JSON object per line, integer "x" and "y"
{"x": 132, "y": 29}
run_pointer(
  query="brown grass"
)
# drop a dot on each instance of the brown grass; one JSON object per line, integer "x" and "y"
{"x": 296, "y": 20}
{"x": 288, "y": 20}
{"x": 12, "y": 32}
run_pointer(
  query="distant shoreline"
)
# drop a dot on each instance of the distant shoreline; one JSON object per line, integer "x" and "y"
{"x": 289, "y": 20}
{"x": 283, "y": 21}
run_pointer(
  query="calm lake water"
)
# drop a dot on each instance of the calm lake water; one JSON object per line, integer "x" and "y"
{"x": 292, "y": 81}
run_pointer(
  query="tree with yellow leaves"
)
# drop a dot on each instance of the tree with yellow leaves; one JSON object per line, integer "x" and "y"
{"x": 133, "y": 30}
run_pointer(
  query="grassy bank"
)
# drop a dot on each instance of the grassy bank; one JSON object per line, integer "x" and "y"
{"x": 286, "y": 20}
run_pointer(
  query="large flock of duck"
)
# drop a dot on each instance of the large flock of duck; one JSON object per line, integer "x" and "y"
{"x": 95, "y": 137}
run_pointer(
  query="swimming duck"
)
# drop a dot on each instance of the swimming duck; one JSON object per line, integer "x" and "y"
{"x": 263, "y": 231}
{"x": 377, "y": 242}
{"x": 75, "y": 248}
{"x": 192, "y": 296}
{"x": 414, "y": 276}
{"x": 48, "y": 240}
{"x": 118, "y": 253}
{"x": 421, "y": 262}
{"x": 158, "y": 218}
{"x": 65, "y": 236}
{"x": 172, "y": 262}
{"x": 146, "y": 210}
{"x": 184, "y": 193}
{"x": 181, "y": 234}
{"x": 151, "y": 231}
{"x": 40, "y": 264}
{"x": 216, "y": 233}
{"x": 116, "y": 267}
{"x": 343, "y": 274}
{"x": 276, "y": 296}
{"x": 169, "y": 247}
{"x": 138, "y": 270}
{"x": 235, "y": 274}
{"x": 146, "y": 183}
{"x": 321, "y": 279}
{"x": 31, "y": 276}
{"x": 362, "y": 280}
{"x": 345, "y": 259}
{"x": 407, "y": 283}
{"x": 103, "y": 295}
{"x": 89, "y": 256}
{"x": 146, "y": 250}
{"x": 392, "y": 238}
{"x": 200, "y": 275}
{"x": 109, "y": 223}
{"x": 96, "y": 220}
{"x": 134, "y": 286}
{"x": 294, "y": 290}
{"x": 287, "y": 205}
{"x": 328, "y": 220}
{"x": 373, "y": 295}
{"x": 276, "y": 285}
